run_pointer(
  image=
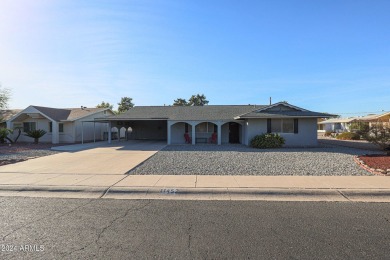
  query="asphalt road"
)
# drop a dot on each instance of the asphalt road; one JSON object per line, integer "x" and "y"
{"x": 48, "y": 228}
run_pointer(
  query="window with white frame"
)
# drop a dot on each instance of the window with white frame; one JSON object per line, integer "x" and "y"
{"x": 29, "y": 126}
{"x": 285, "y": 125}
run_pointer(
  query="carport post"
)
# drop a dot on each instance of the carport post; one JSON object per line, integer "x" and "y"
{"x": 193, "y": 133}
{"x": 169, "y": 133}
{"x": 82, "y": 132}
{"x": 109, "y": 132}
{"x": 94, "y": 133}
{"x": 219, "y": 134}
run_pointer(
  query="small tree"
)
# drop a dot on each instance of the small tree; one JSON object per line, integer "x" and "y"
{"x": 125, "y": 105}
{"x": 36, "y": 134}
{"x": 198, "y": 100}
{"x": 379, "y": 134}
{"x": 180, "y": 102}
{"x": 194, "y": 100}
{"x": 105, "y": 105}
{"x": 4, "y": 97}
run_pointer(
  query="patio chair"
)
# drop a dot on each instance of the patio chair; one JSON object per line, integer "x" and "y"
{"x": 213, "y": 138}
{"x": 187, "y": 138}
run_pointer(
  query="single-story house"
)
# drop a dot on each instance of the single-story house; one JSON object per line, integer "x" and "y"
{"x": 373, "y": 119}
{"x": 344, "y": 124}
{"x": 337, "y": 125}
{"x": 63, "y": 125}
{"x": 217, "y": 123}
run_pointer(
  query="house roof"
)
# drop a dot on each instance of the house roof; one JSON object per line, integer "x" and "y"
{"x": 7, "y": 114}
{"x": 196, "y": 113}
{"x": 64, "y": 114}
{"x": 282, "y": 110}
{"x": 338, "y": 120}
{"x": 374, "y": 117}
{"x": 213, "y": 112}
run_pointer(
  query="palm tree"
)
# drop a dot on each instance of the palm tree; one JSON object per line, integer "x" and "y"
{"x": 36, "y": 134}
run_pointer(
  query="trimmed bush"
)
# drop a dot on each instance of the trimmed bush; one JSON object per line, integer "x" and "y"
{"x": 348, "y": 136}
{"x": 265, "y": 141}
{"x": 328, "y": 133}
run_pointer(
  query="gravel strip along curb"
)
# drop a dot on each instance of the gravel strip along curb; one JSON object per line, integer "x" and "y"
{"x": 243, "y": 160}
{"x": 368, "y": 168}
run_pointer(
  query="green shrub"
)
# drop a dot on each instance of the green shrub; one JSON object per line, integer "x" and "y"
{"x": 328, "y": 133}
{"x": 348, "y": 136}
{"x": 264, "y": 141}
{"x": 4, "y": 132}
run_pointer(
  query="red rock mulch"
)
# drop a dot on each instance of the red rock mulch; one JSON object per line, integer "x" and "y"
{"x": 375, "y": 163}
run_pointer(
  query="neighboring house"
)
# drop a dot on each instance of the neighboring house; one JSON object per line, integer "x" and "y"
{"x": 344, "y": 124}
{"x": 6, "y": 115}
{"x": 63, "y": 125}
{"x": 372, "y": 119}
{"x": 337, "y": 125}
{"x": 232, "y": 124}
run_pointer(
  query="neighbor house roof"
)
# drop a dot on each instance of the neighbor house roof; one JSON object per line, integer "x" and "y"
{"x": 65, "y": 114}
{"x": 374, "y": 117}
{"x": 338, "y": 120}
{"x": 7, "y": 114}
{"x": 211, "y": 112}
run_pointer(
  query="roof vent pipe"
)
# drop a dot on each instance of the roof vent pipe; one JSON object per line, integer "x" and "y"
{"x": 270, "y": 100}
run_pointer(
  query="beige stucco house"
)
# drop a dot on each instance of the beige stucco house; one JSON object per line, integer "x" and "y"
{"x": 63, "y": 125}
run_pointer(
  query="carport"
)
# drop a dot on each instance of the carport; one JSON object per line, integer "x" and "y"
{"x": 135, "y": 129}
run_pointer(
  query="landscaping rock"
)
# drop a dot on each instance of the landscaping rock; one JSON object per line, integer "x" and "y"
{"x": 243, "y": 160}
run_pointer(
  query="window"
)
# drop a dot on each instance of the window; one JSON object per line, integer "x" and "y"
{"x": 205, "y": 128}
{"x": 60, "y": 127}
{"x": 29, "y": 126}
{"x": 282, "y": 125}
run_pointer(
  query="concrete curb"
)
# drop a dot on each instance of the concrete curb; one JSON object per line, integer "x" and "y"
{"x": 153, "y": 193}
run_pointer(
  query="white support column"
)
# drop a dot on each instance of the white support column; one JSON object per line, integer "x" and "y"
{"x": 55, "y": 135}
{"x": 169, "y": 124}
{"x": 193, "y": 132}
{"x": 219, "y": 133}
{"x": 109, "y": 132}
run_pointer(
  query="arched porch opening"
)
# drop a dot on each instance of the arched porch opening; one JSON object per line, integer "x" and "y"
{"x": 181, "y": 133}
{"x": 206, "y": 132}
{"x": 232, "y": 133}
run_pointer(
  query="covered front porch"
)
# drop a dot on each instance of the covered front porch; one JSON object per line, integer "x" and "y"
{"x": 201, "y": 132}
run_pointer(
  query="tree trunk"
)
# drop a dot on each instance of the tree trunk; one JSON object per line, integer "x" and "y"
{"x": 36, "y": 140}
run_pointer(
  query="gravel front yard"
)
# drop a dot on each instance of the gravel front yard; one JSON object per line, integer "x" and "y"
{"x": 23, "y": 151}
{"x": 242, "y": 160}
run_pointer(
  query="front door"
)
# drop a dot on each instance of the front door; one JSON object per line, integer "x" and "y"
{"x": 234, "y": 133}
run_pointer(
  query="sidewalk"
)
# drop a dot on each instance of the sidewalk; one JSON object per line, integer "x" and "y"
{"x": 198, "y": 187}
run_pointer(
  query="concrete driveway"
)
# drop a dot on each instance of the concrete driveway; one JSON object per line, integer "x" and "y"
{"x": 90, "y": 159}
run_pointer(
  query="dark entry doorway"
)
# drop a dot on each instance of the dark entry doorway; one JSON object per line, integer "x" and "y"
{"x": 234, "y": 133}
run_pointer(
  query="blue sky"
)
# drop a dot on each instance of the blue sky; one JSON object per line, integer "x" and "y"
{"x": 327, "y": 56}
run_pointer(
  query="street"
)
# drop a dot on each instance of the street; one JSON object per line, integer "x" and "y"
{"x": 50, "y": 228}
